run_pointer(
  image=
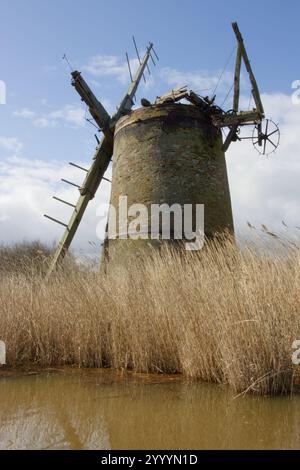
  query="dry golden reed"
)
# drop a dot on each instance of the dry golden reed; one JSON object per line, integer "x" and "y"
{"x": 221, "y": 315}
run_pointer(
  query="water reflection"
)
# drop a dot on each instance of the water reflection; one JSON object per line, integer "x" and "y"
{"x": 100, "y": 411}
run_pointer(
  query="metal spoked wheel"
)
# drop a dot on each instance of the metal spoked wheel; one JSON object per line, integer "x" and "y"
{"x": 266, "y": 137}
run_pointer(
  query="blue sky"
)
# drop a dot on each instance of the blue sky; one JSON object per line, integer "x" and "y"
{"x": 42, "y": 124}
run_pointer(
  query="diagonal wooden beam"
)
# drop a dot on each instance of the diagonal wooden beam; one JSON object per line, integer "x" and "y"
{"x": 127, "y": 101}
{"x": 255, "y": 90}
{"x": 93, "y": 179}
{"x": 230, "y": 136}
{"x": 96, "y": 109}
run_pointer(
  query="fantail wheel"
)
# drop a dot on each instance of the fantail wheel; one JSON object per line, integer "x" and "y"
{"x": 266, "y": 137}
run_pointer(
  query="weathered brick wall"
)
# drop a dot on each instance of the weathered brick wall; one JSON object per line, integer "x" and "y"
{"x": 170, "y": 154}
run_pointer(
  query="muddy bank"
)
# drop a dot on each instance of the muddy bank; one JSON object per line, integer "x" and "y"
{"x": 112, "y": 376}
{"x": 105, "y": 375}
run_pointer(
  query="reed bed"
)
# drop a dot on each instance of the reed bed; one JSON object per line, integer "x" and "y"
{"x": 221, "y": 315}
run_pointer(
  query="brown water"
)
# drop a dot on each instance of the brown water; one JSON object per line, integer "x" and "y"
{"x": 105, "y": 410}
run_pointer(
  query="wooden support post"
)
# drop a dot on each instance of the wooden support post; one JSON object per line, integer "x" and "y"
{"x": 237, "y": 75}
{"x": 255, "y": 90}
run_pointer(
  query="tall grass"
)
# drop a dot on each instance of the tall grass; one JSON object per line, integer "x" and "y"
{"x": 23, "y": 257}
{"x": 29, "y": 259}
{"x": 221, "y": 315}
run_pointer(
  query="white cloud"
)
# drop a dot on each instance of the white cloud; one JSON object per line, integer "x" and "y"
{"x": 109, "y": 65}
{"x": 11, "y": 143}
{"x": 266, "y": 190}
{"x": 198, "y": 80}
{"x": 70, "y": 114}
{"x": 25, "y": 195}
{"x": 25, "y": 113}
{"x": 44, "y": 122}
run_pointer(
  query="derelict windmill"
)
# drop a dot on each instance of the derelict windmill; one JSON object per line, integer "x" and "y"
{"x": 167, "y": 151}
{"x": 103, "y": 153}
